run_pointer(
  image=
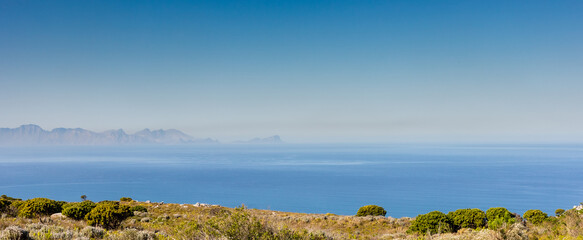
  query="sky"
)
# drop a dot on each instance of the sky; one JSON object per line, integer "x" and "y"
{"x": 309, "y": 71}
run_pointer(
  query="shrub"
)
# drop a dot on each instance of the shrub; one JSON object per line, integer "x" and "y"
{"x": 433, "y": 222}
{"x": 498, "y": 216}
{"x": 4, "y": 205}
{"x": 10, "y": 198}
{"x": 125, "y": 199}
{"x": 559, "y": 212}
{"x": 108, "y": 215}
{"x": 38, "y": 207}
{"x": 535, "y": 216}
{"x": 371, "y": 210}
{"x": 78, "y": 211}
{"x": 467, "y": 218}
{"x": 138, "y": 209}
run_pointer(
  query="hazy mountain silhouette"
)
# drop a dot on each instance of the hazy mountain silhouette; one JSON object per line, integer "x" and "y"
{"x": 34, "y": 135}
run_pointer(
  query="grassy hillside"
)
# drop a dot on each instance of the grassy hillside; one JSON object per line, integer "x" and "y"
{"x": 196, "y": 221}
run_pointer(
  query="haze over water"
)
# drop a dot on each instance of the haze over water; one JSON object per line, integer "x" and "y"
{"x": 406, "y": 179}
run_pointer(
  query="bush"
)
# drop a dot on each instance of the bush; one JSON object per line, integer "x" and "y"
{"x": 433, "y": 222}
{"x": 78, "y": 211}
{"x": 4, "y": 205}
{"x": 125, "y": 199}
{"x": 467, "y": 218}
{"x": 559, "y": 212}
{"x": 371, "y": 210}
{"x": 108, "y": 215}
{"x": 498, "y": 216}
{"x": 535, "y": 216}
{"x": 38, "y": 207}
{"x": 138, "y": 209}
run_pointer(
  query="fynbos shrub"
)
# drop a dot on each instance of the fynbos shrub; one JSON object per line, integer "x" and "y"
{"x": 108, "y": 215}
{"x": 467, "y": 218}
{"x": 78, "y": 211}
{"x": 125, "y": 199}
{"x": 38, "y": 207}
{"x": 138, "y": 208}
{"x": 371, "y": 210}
{"x": 433, "y": 222}
{"x": 535, "y": 216}
{"x": 498, "y": 216}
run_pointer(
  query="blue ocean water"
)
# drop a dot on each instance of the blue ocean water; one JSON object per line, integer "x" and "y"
{"x": 406, "y": 179}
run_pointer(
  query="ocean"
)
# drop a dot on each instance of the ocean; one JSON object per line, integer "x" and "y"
{"x": 405, "y": 179}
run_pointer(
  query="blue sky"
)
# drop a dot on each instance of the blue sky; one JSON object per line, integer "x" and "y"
{"x": 310, "y": 71}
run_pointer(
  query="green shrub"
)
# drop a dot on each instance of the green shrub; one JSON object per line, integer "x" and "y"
{"x": 433, "y": 222}
{"x": 559, "y": 212}
{"x": 498, "y": 216}
{"x": 138, "y": 209}
{"x": 498, "y": 212}
{"x": 108, "y": 215}
{"x": 535, "y": 216}
{"x": 38, "y": 207}
{"x": 10, "y": 198}
{"x": 4, "y": 205}
{"x": 467, "y": 218}
{"x": 125, "y": 199}
{"x": 78, "y": 211}
{"x": 371, "y": 210}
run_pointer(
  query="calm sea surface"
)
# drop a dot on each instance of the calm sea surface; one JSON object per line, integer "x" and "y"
{"x": 405, "y": 179}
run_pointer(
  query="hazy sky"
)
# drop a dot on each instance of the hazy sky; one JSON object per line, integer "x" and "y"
{"x": 307, "y": 70}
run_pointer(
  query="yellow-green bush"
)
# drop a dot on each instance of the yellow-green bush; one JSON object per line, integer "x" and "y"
{"x": 433, "y": 222}
{"x": 78, "y": 211}
{"x": 108, "y": 215}
{"x": 371, "y": 210}
{"x": 38, "y": 207}
{"x": 498, "y": 216}
{"x": 467, "y": 218}
{"x": 138, "y": 208}
{"x": 535, "y": 216}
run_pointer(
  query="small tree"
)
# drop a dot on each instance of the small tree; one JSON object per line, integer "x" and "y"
{"x": 108, "y": 215}
{"x": 371, "y": 210}
{"x": 535, "y": 216}
{"x": 467, "y": 218}
{"x": 559, "y": 212}
{"x": 433, "y": 222}
{"x": 84, "y": 197}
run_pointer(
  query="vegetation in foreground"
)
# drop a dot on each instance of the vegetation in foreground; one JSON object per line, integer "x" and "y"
{"x": 42, "y": 218}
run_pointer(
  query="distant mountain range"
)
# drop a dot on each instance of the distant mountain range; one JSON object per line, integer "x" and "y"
{"x": 34, "y": 135}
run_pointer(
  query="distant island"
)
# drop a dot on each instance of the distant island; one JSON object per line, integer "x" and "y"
{"x": 35, "y": 135}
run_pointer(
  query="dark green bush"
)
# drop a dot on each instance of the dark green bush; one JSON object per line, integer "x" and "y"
{"x": 78, "y": 211}
{"x": 108, "y": 215}
{"x": 498, "y": 216}
{"x": 6, "y": 204}
{"x": 559, "y": 212}
{"x": 467, "y": 218}
{"x": 371, "y": 210}
{"x": 138, "y": 209}
{"x": 433, "y": 222}
{"x": 535, "y": 216}
{"x": 125, "y": 199}
{"x": 38, "y": 207}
